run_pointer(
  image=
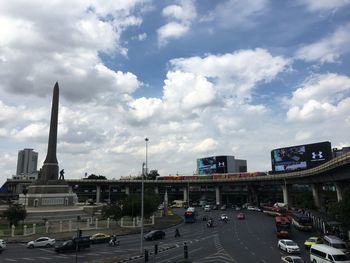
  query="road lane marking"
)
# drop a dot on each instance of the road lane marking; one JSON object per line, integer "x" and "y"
{"x": 44, "y": 258}
{"x": 30, "y": 259}
{"x": 9, "y": 259}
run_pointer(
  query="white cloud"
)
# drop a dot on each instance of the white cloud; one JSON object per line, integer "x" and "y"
{"x": 323, "y": 5}
{"x": 62, "y": 41}
{"x": 171, "y": 30}
{"x": 238, "y": 14}
{"x": 320, "y": 97}
{"x": 180, "y": 17}
{"x": 235, "y": 74}
{"x": 328, "y": 49}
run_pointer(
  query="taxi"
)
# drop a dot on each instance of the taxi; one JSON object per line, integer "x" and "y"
{"x": 312, "y": 241}
{"x": 100, "y": 238}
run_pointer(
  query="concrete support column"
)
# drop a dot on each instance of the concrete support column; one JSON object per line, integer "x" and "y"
{"x": 286, "y": 194}
{"x": 70, "y": 189}
{"x": 217, "y": 195}
{"x": 127, "y": 190}
{"x": 156, "y": 190}
{"x": 317, "y": 195}
{"x": 185, "y": 194}
{"x": 98, "y": 193}
{"x": 253, "y": 195}
{"x": 339, "y": 187}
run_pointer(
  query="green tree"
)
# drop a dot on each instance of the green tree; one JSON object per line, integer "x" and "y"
{"x": 14, "y": 214}
{"x": 132, "y": 204}
{"x": 113, "y": 211}
{"x": 153, "y": 174}
{"x": 96, "y": 177}
{"x": 341, "y": 211}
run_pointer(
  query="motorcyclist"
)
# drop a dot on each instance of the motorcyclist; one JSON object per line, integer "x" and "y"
{"x": 114, "y": 240}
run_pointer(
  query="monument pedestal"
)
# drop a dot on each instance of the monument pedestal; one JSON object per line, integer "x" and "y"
{"x": 58, "y": 194}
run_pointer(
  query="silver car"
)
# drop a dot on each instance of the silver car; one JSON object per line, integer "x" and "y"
{"x": 41, "y": 242}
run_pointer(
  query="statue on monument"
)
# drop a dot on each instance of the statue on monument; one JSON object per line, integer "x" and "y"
{"x": 61, "y": 175}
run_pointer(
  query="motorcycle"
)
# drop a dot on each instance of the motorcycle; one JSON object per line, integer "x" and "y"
{"x": 210, "y": 223}
{"x": 113, "y": 242}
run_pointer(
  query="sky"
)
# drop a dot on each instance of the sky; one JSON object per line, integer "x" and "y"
{"x": 198, "y": 78}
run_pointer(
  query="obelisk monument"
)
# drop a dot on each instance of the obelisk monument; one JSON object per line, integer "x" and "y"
{"x": 49, "y": 190}
{"x": 49, "y": 171}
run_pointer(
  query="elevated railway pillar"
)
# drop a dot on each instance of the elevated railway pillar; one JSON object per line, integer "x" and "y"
{"x": 217, "y": 195}
{"x": 127, "y": 190}
{"x": 318, "y": 197}
{"x": 185, "y": 194}
{"x": 340, "y": 187}
{"x": 98, "y": 193}
{"x": 286, "y": 189}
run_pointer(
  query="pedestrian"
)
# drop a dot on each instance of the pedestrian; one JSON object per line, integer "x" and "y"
{"x": 177, "y": 232}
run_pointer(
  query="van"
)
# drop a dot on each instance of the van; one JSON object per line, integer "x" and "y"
{"x": 207, "y": 208}
{"x": 336, "y": 242}
{"x": 321, "y": 253}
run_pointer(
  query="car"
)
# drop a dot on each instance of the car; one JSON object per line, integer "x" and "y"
{"x": 41, "y": 242}
{"x": 77, "y": 243}
{"x": 154, "y": 235}
{"x": 292, "y": 259}
{"x": 223, "y": 207}
{"x": 161, "y": 207}
{"x": 215, "y": 207}
{"x": 288, "y": 245}
{"x": 2, "y": 243}
{"x": 224, "y": 217}
{"x": 241, "y": 216}
{"x": 207, "y": 208}
{"x": 312, "y": 241}
{"x": 100, "y": 238}
{"x": 250, "y": 207}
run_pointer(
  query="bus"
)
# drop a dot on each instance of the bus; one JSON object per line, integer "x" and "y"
{"x": 283, "y": 227}
{"x": 190, "y": 215}
{"x": 302, "y": 222}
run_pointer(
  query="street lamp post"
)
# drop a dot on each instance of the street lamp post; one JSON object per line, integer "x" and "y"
{"x": 144, "y": 173}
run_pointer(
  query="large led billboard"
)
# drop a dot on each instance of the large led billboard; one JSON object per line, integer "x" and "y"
{"x": 300, "y": 157}
{"x": 210, "y": 165}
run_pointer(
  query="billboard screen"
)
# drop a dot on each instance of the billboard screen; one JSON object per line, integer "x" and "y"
{"x": 210, "y": 165}
{"x": 300, "y": 157}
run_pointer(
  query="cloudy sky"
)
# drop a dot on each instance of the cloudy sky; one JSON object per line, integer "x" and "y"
{"x": 198, "y": 78}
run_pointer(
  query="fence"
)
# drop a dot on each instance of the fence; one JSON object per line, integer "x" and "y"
{"x": 51, "y": 227}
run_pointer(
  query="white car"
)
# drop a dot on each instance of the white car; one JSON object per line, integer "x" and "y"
{"x": 2, "y": 243}
{"x": 288, "y": 245}
{"x": 224, "y": 217}
{"x": 207, "y": 208}
{"x": 292, "y": 259}
{"x": 41, "y": 242}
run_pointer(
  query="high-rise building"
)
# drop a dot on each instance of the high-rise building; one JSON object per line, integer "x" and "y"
{"x": 27, "y": 163}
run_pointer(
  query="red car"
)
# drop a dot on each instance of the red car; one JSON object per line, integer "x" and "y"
{"x": 241, "y": 216}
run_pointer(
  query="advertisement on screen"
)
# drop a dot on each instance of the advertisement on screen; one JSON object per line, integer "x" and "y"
{"x": 300, "y": 157}
{"x": 206, "y": 165}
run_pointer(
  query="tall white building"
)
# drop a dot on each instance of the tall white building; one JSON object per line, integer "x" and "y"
{"x": 27, "y": 163}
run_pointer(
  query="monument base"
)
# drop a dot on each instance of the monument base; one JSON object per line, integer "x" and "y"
{"x": 48, "y": 195}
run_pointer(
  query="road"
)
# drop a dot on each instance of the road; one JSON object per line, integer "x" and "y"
{"x": 248, "y": 241}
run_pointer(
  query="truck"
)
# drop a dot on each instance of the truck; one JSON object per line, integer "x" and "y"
{"x": 75, "y": 244}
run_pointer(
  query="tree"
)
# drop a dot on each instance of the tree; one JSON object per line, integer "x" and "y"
{"x": 14, "y": 214}
{"x": 341, "y": 211}
{"x": 153, "y": 174}
{"x": 96, "y": 177}
{"x": 132, "y": 204}
{"x": 113, "y": 211}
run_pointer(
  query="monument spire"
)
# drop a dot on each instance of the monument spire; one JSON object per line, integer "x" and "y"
{"x": 50, "y": 167}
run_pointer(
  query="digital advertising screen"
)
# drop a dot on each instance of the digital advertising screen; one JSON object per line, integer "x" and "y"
{"x": 206, "y": 165}
{"x": 300, "y": 157}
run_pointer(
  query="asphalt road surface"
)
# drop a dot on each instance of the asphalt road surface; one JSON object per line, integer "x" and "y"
{"x": 239, "y": 241}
